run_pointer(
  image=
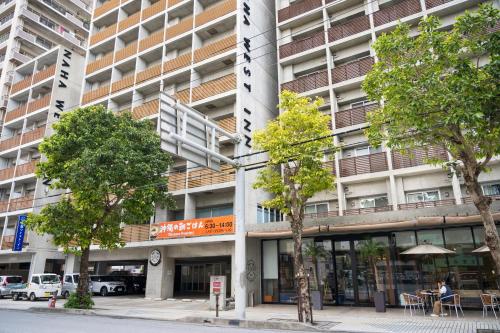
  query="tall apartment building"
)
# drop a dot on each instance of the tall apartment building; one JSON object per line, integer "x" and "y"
{"x": 324, "y": 49}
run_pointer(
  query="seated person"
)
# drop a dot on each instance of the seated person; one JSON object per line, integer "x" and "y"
{"x": 445, "y": 296}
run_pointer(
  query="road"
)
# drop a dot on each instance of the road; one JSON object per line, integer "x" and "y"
{"x": 12, "y": 321}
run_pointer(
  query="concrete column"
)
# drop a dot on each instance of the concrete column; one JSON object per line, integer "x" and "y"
{"x": 37, "y": 265}
{"x": 160, "y": 280}
{"x": 393, "y": 192}
{"x": 72, "y": 264}
{"x": 457, "y": 192}
{"x": 341, "y": 198}
{"x": 189, "y": 207}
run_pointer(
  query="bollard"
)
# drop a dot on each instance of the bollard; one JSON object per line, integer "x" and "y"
{"x": 217, "y": 305}
{"x": 52, "y": 300}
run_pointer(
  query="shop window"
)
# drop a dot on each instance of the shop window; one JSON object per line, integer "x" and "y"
{"x": 485, "y": 262}
{"x": 214, "y": 211}
{"x": 266, "y": 215}
{"x": 491, "y": 189}
{"x": 178, "y": 215}
{"x": 406, "y": 267}
{"x": 373, "y": 202}
{"x": 270, "y": 271}
{"x": 423, "y": 196}
{"x": 317, "y": 208}
{"x": 432, "y": 267}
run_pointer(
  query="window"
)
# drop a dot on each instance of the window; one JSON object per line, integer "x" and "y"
{"x": 373, "y": 202}
{"x": 35, "y": 280}
{"x": 14, "y": 279}
{"x": 423, "y": 196}
{"x": 266, "y": 215}
{"x": 491, "y": 189}
{"x": 214, "y": 211}
{"x": 317, "y": 208}
{"x": 68, "y": 279}
{"x": 361, "y": 151}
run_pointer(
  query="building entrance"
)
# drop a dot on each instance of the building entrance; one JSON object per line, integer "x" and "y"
{"x": 192, "y": 276}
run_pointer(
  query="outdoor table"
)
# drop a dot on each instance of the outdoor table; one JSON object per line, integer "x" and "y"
{"x": 430, "y": 296}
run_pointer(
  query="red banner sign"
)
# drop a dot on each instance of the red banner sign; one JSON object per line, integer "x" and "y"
{"x": 193, "y": 228}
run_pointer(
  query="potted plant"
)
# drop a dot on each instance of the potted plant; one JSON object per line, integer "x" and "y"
{"x": 372, "y": 251}
{"x": 316, "y": 252}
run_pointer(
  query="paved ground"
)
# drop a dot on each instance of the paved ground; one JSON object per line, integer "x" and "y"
{"x": 339, "y": 318}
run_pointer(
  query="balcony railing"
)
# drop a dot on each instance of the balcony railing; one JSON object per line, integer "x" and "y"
{"x": 176, "y": 63}
{"x": 214, "y": 87}
{"x": 183, "y": 26}
{"x": 435, "y": 3}
{"x": 125, "y": 82}
{"x": 8, "y": 241}
{"x": 353, "y": 116}
{"x": 39, "y": 103}
{"x": 33, "y": 135}
{"x": 219, "y": 10}
{"x": 21, "y": 203}
{"x": 396, "y": 12}
{"x": 16, "y": 113}
{"x": 103, "y": 34}
{"x": 468, "y": 200}
{"x": 361, "y": 211}
{"x": 427, "y": 204}
{"x": 228, "y": 124}
{"x": 106, "y": 7}
{"x": 105, "y": 61}
{"x": 155, "y": 39}
{"x": 45, "y": 74}
{"x": 151, "y": 72}
{"x": 7, "y": 173}
{"x": 207, "y": 177}
{"x": 182, "y": 96}
{"x": 135, "y": 233}
{"x": 95, "y": 94}
{"x": 128, "y": 51}
{"x": 26, "y": 168}
{"x": 154, "y": 9}
{"x": 10, "y": 142}
{"x": 215, "y": 48}
{"x": 173, "y": 2}
{"x": 418, "y": 156}
{"x": 23, "y": 84}
{"x": 176, "y": 181}
{"x": 363, "y": 164}
{"x": 352, "y": 70}
{"x": 348, "y": 28}
{"x": 3, "y": 208}
{"x": 307, "y": 82}
{"x": 302, "y": 45}
{"x": 129, "y": 21}
{"x": 297, "y": 9}
{"x": 146, "y": 109}
{"x": 332, "y": 213}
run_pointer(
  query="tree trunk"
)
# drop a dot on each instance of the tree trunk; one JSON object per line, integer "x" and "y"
{"x": 304, "y": 303}
{"x": 83, "y": 282}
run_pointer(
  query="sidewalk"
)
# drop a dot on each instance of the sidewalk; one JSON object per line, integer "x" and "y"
{"x": 340, "y": 319}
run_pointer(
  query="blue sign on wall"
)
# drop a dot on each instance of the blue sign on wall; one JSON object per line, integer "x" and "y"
{"x": 19, "y": 236}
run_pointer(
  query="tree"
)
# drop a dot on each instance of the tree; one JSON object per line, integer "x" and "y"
{"x": 371, "y": 251}
{"x": 316, "y": 252}
{"x": 441, "y": 88}
{"x": 294, "y": 171}
{"x": 111, "y": 169}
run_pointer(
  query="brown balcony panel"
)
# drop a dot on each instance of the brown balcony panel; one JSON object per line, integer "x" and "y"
{"x": 215, "y": 48}
{"x": 103, "y": 34}
{"x": 100, "y": 63}
{"x": 128, "y": 51}
{"x": 39, "y": 103}
{"x": 468, "y": 200}
{"x": 129, "y": 21}
{"x": 156, "y": 38}
{"x": 16, "y": 113}
{"x": 353, "y": 116}
{"x": 219, "y": 10}
{"x": 332, "y": 213}
{"x": 95, "y": 94}
{"x": 34, "y": 135}
{"x": 21, "y": 203}
{"x": 10, "y": 142}
{"x": 307, "y": 82}
{"x": 297, "y": 9}
{"x": 206, "y": 177}
{"x": 183, "y": 26}
{"x": 156, "y": 8}
{"x": 45, "y": 74}
{"x": 302, "y": 45}
{"x": 396, "y": 12}
{"x": 352, "y": 70}
{"x": 435, "y": 3}
{"x": 417, "y": 156}
{"x": 135, "y": 233}
{"x": 176, "y": 63}
{"x": 427, "y": 204}
{"x": 23, "y": 84}
{"x": 173, "y": 2}
{"x": 228, "y": 124}
{"x": 176, "y": 181}
{"x": 26, "y": 168}
{"x": 106, "y": 7}
{"x": 182, "y": 96}
{"x": 361, "y": 211}
{"x": 363, "y": 164}
{"x": 147, "y": 109}
{"x": 348, "y": 28}
{"x": 7, "y": 173}
{"x": 7, "y": 241}
{"x": 214, "y": 87}
{"x": 126, "y": 82}
{"x": 330, "y": 166}
{"x": 3, "y": 208}
{"x": 151, "y": 72}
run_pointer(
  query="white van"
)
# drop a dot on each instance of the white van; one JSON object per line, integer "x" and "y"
{"x": 39, "y": 286}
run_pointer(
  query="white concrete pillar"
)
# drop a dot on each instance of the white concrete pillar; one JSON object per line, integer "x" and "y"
{"x": 189, "y": 207}
{"x": 457, "y": 192}
{"x": 72, "y": 264}
{"x": 160, "y": 279}
{"x": 38, "y": 260}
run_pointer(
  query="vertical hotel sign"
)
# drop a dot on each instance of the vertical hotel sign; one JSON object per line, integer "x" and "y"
{"x": 19, "y": 235}
{"x": 246, "y": 81}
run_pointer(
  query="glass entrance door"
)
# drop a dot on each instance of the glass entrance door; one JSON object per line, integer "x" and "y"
{"x": 344, "y": 273}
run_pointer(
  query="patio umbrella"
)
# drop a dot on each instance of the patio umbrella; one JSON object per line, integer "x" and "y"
{"x": 482, "y": 249}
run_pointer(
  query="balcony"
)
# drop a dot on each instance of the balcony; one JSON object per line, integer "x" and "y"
{"x": 147, "y": 109}
{"x": 156, "y": 8}
{"x": 228, "y": 124}
{"x": 417, "y": 156}
{"x": 16, "y": 113}
{"x": 214, "y": 87}
{"x": 183, "y": 26}
{"x": 302, "y": 45}
{"x": 361, "y": 211}
{"x": 44, "y": 74}
{"x": 396, "y": 11}
{"x": 152, "y": 72}
{"x": 33, "y": 135}
{"x": 10, "y": 143}
{"x": 128, "y": 51}
{"x": 39, "y": 103}
{"x": 7, "y": 173}
{"x": 172, "y": 3}
{"x": 352, "y": 70}
{"x": 154, "y": 39}
{"x": 106, "y": 7}
{"x": 21, "y": 203}
{"x": 177, "y": 63}
{"x": 348, "y": 28}
{"x": 26, "y": 168}
{"x": 100, "y": 63}
{"x": 353, "y": 116}
{"x": 176, "y": 181}
{"x": 182, "y": 96}
{"x": 307, "y": 82}
{"x": 213, "y": 49}
{"x": 321, "y": 215}
{"x": 95, "y": 94}
{"x": 427, "y": 204}
{"x": 207, "y": 177}
{"x": 103, "y": 34}
{"x": 135, "y": 233}
{"x": 297, "y": 9}
{"x": 363, "y": 164}
{"x": 3, "y": 208}
{"x": 129, "y": 21}
{"x": 23, "y": 84}
{"x": 125, "y": 82}
{"x": 212, "y": 13}
{"x": 468, "y": 200}
{"x": 434, "y": 3}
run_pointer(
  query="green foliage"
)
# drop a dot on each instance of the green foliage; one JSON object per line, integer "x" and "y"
{"x": 437, "y": 88}
{"x": 370, "y": 249}
{"x": 75, "y": 302}
{"x": 316, "y": 251}
{"x": 113, "y": 168}
{"x": 283, "y": 139}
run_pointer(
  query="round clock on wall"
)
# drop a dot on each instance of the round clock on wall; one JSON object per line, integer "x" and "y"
{"x": 155, "y": 257}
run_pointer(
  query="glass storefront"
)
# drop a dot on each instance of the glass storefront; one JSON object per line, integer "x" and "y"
{"x": 350, "y": 269}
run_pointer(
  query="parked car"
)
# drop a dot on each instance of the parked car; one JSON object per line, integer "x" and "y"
{"x": 104, "y": 285}
{"x": 9, "y": 283}
{"x": 136, "y": 284}
{"x": 40, "y": 286}
{"x": 70, "y": 283}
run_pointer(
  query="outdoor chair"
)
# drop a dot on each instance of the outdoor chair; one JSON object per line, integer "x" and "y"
{"x": 455, "y": 303}
{"x": 489, "y": 301}
{"x": 414, "y": 303}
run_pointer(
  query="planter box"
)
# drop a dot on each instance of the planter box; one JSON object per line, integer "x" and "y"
{"x": 379, "y": 299}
